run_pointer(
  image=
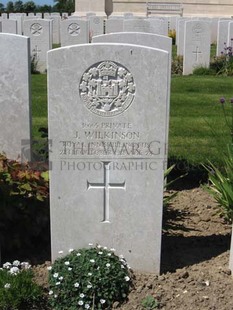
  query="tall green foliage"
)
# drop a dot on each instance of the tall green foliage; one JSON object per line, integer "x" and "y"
{"x": 221, "y": 184}
{"x": 221, "y": 181}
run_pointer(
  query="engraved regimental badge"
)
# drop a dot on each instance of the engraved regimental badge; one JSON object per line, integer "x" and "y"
{"x": 107, "y": 88}
{"x": 36, "y": 29}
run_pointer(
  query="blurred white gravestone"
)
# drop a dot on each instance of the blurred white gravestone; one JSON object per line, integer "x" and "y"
{"x": 180, "y": 36}
{"x": 19, "y": 20}
{"x": 4, "y": 16}
{"x": 56, "y": 20}
{"x": 15, "y": 97}
{"x": 136, "y": 25}
{"x": 197, "y": 37}
{"x": 108, "y": 127}
{"x": 9, "y": 26}
{"x": 222, "y": 36}
{"x": 114, "y": 25}
{"x": 96, "y": 26}
{"x": 74, "y": 31}
{"x": 40, "y": 33}
{"x": 159, "y": 26}
{"x": 230, "y": 35}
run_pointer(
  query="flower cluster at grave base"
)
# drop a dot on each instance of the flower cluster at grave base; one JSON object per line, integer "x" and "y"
{"x": 92, "y": 278}
{"x": 24, "y": 209}
{"x": 17, "y": 289}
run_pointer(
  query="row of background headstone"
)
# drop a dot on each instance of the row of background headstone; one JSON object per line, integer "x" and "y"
{"x": 115, "y": 23}
{"x": 72, "y": 30}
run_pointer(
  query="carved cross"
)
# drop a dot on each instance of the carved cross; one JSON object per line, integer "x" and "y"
{"x": 106, "y": 186}
{"x": 196, "y": 52}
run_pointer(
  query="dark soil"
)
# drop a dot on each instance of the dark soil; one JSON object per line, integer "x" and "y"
{"x": 194, "y": 263}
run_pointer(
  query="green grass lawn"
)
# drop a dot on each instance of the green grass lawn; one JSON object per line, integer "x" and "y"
{"x": 197, "y": 128}
{"x": 39, "y": 103}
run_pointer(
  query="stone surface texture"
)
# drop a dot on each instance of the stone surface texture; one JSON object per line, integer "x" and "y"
{"x": 107, "y": 121}
{"x": 143, "y": 39}
{"x": 9, "y": 26}
{"x": 15, "y": 100}
{"x": 222, "y": 36}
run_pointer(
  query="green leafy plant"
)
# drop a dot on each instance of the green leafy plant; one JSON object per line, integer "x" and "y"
{"x": 168, "y": 197}
{"x": 91, "y": 278}
{"x": 223, "y": 64}
{"x": 221, "y": 184}
{"x": 172, "y": 35}
{"x": 177, "y": 65}
{"x": 149, "y": 303}
{"x": 203, "y": 71}
{"x": 18, "y": 291}
{"x": 24, "y": 193}
{"x": 221, "y": 181}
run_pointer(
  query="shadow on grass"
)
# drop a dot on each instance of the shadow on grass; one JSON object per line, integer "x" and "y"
{"x": 180, "y": 251}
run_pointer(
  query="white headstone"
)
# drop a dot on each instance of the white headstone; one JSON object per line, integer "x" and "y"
{"x": 180, "y": 36}
{"x": 74, "y": 31}
{"x": 39, "y": 31}
{"x": 19, "y": 20}
{"x": 214, "y": 30}
{"x": 172, "y": 22}
{"x": 230, "y": 35}
{"x": 108, "y": 123}
{"x": 9, "y": 26}
{"x": 4, "y": 16}
{"x": 56, "y": 19}
{"x": 114, "y": 25}
{"x": 222, "y": 35}
{"x": 15, "y": 99}
{"x": 96, "y": 25}
{"x": 137, "y": 25}
{"x": 196, "y": 46}
{"x": 144, "y": 39}
{"x": 159, "y": 26}
{"x": 30, "y": 18}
